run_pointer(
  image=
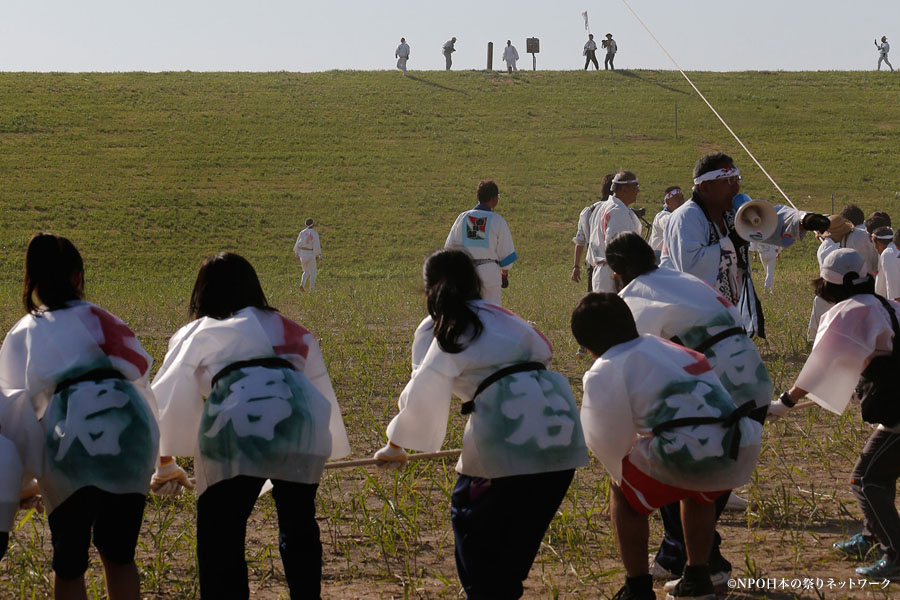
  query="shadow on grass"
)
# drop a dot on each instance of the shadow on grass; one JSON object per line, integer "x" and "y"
{"x": 437, "y": 85}
{"x": 632, "y": 74}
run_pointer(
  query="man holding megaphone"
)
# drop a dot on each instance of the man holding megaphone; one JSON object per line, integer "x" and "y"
{"x": 709, "y": 235}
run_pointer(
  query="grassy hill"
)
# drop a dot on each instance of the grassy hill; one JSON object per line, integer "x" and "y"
{"x": 149, "y": 173}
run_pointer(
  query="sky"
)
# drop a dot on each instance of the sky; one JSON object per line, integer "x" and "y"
{"x": 321, "y": 35}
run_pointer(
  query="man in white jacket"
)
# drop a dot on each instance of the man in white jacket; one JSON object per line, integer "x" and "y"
{"x": 510, "y": 56}
{"x": 402, "y": 55}
{"x": 609, "y": 219}
{"x": 309, "y": 251}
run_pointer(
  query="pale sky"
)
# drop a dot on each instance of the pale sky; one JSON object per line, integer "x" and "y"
{"x": 305, "y": 35}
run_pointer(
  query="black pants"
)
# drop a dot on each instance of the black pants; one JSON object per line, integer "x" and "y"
{"x": 591, "y": 56}
{"x": 498, "y": 525}
{"x": 672, "y": 554}
{"x": 222, "y": 513}
{"x": 4, "y": 543}
{"x": 874, "y": 483}
{"x": 608, "y": 61}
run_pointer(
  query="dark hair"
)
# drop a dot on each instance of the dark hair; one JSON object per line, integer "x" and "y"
{"x": 52, "y": 269}
{"x": 450, "y": 282}
{"x": 606, "y": 185}
{"x": 877, "y": 219}
{"x": 711, "y": 162}
{"x": 624, "y": 175}
{"x": 226, "y": 284}
{"x": 602, "y": 320}
{"x": 834, "y": 293}
{"x": 487, "y": 191}
{"x": 897, "y": 238}
{"x": 854, "y": 214}
{"x": 629, "y": 256}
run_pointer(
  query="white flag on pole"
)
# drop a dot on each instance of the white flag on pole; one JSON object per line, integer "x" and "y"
{"x": 584, "y": 14}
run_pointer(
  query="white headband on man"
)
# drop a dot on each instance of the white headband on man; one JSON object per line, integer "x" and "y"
{"x": 623, "y": 181}
{"x": 671, "y": 194}
{"x": 885, "y": 236}
{"x": 717, "y": 174}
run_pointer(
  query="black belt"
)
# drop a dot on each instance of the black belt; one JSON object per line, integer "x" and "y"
{"x": 708, "y": 343}
{"x": 271, "y": 362}
{"x": 96, "y": 375}
{"x": 469, "y": 406}
{"x": 483, "y": 261}
{"x": 743, "y": 411}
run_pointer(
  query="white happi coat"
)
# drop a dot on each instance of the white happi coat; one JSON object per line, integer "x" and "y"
{"x": 510, "y": 56}
{"x": 265, "y": 421}
{"x": 609, "y": 219}
{"x": 307, "y": 244}
{"x": 889, "y": 273}
{"x": 671, "y": 304}
{"x": 658, "y": 230}
{"x": 583, "y": 230}
{"x": 646, "y": 382}
{"x": 484, "y": 235}
{"x": 523, "y": 423}
{"x": 11, "y": 472}
{"x": 71, "y": 434}
{"x": 858, "y": 239}
{"x": 850, "y": 335}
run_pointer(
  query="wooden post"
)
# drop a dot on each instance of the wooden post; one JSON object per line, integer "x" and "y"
{"x": 490, "y": 56}
{"x": 676, "y": 119}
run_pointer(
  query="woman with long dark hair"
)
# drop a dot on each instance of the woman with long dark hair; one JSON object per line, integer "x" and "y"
{"x": 523, "y": 439}
{"x": 81, "y": 413}
{"x": 244, "y": 390}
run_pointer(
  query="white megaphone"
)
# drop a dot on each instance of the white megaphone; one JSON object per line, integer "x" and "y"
{"x": 755, "y": 220}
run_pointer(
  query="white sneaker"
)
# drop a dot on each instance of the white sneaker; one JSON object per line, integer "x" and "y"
{"x": 657, "y": 571}
{"x": 719, "y": 581}
{"x": 736, "y": 503}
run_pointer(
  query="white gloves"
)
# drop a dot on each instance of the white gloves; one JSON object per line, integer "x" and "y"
{"x": 169, "y": 479}
{"x": 391, "y": 457}
{"x": 777, "y": 410}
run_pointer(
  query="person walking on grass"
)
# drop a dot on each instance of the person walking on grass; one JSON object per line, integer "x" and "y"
{"x": 484, "y": 235}
{"x": 510, "y": 56}
{"x": 402, "y": 55}
{"x": 522, "y": 442}
{"x": 883, "y": 50}
{"x": 610, "y": 219}
{"x": 245, "y": 392}
{"x": 79, "y": 408}
{"x": 590, "y": 53}
{"x": 657, "y": 417}
{"x": 859, "y": 327}
{"x": 447, "y": 50}
{"x": 309, "y": 251}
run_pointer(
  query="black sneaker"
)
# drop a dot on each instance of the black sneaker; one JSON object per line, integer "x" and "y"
{"x": 627, "y": 593}
{"x": 694, "y": 588}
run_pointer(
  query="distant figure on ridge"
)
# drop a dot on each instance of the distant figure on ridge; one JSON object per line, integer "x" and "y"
{"x": 447, "y": 49}
{"x": 590, "y": 53}
{"x": 510, "y": 56}
{"x": 484, "y": 235}
{"x": 309, "y": 251}
{"x": 883, "y": 50}
{"x": 611, "y": 47}
{"x": 402, "y": 55}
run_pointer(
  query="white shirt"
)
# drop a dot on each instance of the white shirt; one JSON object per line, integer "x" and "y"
{"x": 523, "y": 423}
{"x": 294, "y": 420}
{"x": 590, "y": 45}
{"x": 884, "y": 48}
{"x": 609, "y": 219}
{"x": 888, "y": 273}
{"x": 402, "y": 50}
{"x": 94, "y": 432}
{"x": 658, "y": 230}
{"x": 483, "y": 235}
{"x": 646, "y": 382}
{"x": 850, "y": 334}
{"x": 308, "y": 243}
{"x": 448, "y": 47}
{"x": 510, "y": 54}
{"x": 859, "y": 240}
{"x": 583, "y": 230}
{"x": 672, "y": 304}
{"x": 611, "y": 46}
